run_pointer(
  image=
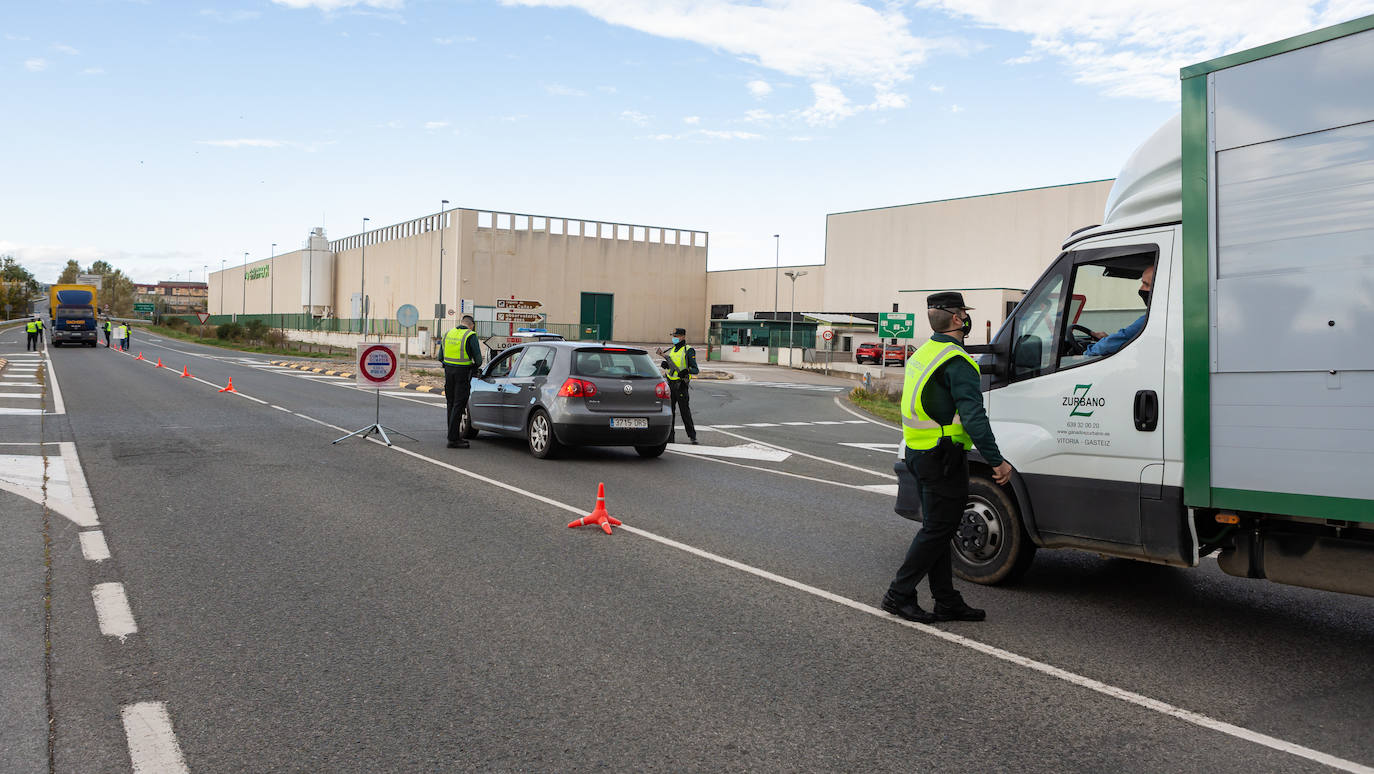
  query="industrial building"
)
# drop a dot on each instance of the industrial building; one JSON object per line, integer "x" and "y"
{"x": 607, "y": 280}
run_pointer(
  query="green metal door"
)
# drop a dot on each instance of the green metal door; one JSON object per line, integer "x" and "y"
{"x": 599, "y": 309}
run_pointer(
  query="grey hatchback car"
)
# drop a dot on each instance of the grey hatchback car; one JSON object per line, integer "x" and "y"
{"x": 568, "y": 393}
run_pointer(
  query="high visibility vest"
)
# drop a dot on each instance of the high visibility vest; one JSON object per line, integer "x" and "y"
{"x": 918, "y": 429}
{"x": 108, "y": 326}
{"x": 40, "y": 324}
{"x": 678, "y": 357}
{"x": 456, "y": 347}
{"x": 31, "y": 326}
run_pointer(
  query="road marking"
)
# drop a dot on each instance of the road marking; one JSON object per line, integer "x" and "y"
{"x": 153, "y": 747}
{"x": 790, "y": 423}
{"x": 794, "y": 386}
{"x": 828, "y": 422}
{"x": 280, "y": 408}
{"x": 93, "y": 546}
{"x": 761, "y": 424}
{"x": 19, "y": 384}
{"x": 112, "y": 610}
{"x": 882, "y": 448}
{"x": 58, "y": 406}
{"x": 18, "y": 411}
{"x": 748, "y": 451}
{"x": 870, "y": 420}
{"x": 20, "y": 395}
{"x": 63, "y": 482}
{"x": 887, "y": 489}
{"x": 809, "y": 456}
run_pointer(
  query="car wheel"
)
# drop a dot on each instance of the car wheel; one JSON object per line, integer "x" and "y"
{"x": 991, "y": 545}
{"x": 649, "y": 452}
{"x": 465, "y": 428}
{"x": 539, "y": 431}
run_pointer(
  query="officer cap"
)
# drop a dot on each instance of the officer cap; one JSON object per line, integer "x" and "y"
{"x": 679, "y": 331}
{"x": 947, "y": 300}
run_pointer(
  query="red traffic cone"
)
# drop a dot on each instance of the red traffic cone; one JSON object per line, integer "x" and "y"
{"x": 230, "y": 386}
{"x": 140, "y": 356}
{"x": 599, "y": 514}
{"x": 184, "y": 373}
{"x": 159, "y": 363}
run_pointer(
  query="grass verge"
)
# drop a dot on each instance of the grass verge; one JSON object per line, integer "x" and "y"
{"x": 244, "y": 347}
{"x": 878, "y": 404}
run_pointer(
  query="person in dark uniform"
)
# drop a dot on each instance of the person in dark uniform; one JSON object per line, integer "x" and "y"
{"x": 680, "y": 363}
{"x": 942, "y": 418}
{"x": 462, "y": 356}
{"x": 31, "y": 328}
{"x": 109, "y": 327}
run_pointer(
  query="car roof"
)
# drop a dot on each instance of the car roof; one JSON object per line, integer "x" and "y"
{"x": 575, "y": 345}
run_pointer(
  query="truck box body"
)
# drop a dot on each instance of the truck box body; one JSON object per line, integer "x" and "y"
{"x": 72, "y": 311}
{"x": 1232, "y": 411}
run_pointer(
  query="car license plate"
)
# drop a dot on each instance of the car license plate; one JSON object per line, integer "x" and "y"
{"x": 630, "y": 423}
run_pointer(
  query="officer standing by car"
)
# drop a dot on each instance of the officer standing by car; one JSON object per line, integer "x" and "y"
{"x": 680, "y": 363}
{"x": 462, "y": 356}
{"x": 942, "y": 418}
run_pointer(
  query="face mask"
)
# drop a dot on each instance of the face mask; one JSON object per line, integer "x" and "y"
{"x": 1145, "y": 296}
{"x": 966, "y": 326}
{"x": 676, "y": 341}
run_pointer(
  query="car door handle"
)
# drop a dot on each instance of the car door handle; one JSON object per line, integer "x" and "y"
{"x": 1146, "y": 410}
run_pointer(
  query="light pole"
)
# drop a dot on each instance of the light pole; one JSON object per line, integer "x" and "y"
{"x": 362, "y": 288}
{"x": 792, "y": 275}
{"x": 777, "y": 249}
{"x": 272, "y": 279}
{"x": 443, "y": 204}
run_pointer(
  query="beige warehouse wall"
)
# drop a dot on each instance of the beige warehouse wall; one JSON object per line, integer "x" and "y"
{"x": 261, "y": 296}
{"x": 752, "y": 290}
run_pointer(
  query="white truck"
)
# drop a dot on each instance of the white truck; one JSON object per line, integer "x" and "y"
{"x": 1238, "y": 415}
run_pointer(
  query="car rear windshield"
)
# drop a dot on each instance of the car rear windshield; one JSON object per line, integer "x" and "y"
{"x": 614, "y": 363}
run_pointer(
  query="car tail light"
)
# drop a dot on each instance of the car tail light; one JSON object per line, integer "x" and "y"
{"x": 661, "y": 390}
{"x": 577, "y": 388}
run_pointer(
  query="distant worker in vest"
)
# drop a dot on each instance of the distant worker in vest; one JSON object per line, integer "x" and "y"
{"x": 40, "y": 332}
{"x": 680, "y": 364}
{"x": 462, "y": 356}
{"x": 122, "y": 336}
{"x": 108, "y": 328}
{"x": 942, "y": 418}
{"x": 31, "y": 328}
{"x": 128, "y": 335}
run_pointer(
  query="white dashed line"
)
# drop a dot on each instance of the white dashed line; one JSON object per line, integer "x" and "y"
{"x": 112, "y": 610}
{"x": 93, "y": 546}
{"x": 153, "y": 747}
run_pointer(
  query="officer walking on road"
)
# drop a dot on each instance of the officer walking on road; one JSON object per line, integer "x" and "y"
{"x": 462, "y": 356}
{"x": 680, "y": 364}
{"x": 109, "y": 326}
{"x": 942, "y": 418}
{"x": 31, "y": 341}
{"x": 40, "y": 332}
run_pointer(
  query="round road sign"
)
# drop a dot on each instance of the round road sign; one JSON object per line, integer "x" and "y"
{"x": 828, "y": 335}
{"x": 377, "y": 364}
{"x": 407, "y": 315}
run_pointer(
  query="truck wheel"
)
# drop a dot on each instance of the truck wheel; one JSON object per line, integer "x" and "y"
{"x": 991, "y": 546}
{"x": 543, "y": 444}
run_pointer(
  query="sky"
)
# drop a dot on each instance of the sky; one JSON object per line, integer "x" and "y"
{"x": 167, "y": 136}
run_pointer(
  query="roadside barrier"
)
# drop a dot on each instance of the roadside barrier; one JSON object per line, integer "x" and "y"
{"x": 599, "y": 515}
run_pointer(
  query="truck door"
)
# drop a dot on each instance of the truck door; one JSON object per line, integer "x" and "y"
{"x": 1077, "y": 409}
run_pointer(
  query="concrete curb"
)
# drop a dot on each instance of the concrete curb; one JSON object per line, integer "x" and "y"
{"x": 349, "y": 375}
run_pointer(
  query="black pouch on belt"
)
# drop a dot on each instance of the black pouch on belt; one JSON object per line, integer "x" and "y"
{"x": 953, "y": 456}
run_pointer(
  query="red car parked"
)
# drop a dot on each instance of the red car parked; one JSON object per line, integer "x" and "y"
{"x": 896, "y": 354}
{"x": 869, "y": 352}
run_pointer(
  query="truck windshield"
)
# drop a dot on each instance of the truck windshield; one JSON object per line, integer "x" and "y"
{"x": 1037, "y": 319}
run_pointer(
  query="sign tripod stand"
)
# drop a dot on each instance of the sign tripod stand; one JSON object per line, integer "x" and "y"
{"x": 377, "y": 366}
{"x": 376, "y": 427}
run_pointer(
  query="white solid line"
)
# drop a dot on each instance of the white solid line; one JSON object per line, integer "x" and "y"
{"x": 20, "y": 411}
{"x": 870, "y": 420}
{"x": 58, "y": 406}
{"x": 790, "y": 423}
{"x": 93, "y": 546}
{"x": 153, "y": 747}
{"x": 29, "y": 443}
{"x": 112, "y": 610}
{"x": 811, "y": 456}
{"x": 784, "y": 473}
{"x": 761, "y": 424}
{"x": 828, "y": 422}
{"x": 76, "y": 482}
{"x": 20, "y": 395}
{"x": 20, "y": 384}
{"x": 279, "y": 408}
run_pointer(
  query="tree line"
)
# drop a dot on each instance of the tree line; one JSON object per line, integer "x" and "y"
{"x": 19, "y": 289}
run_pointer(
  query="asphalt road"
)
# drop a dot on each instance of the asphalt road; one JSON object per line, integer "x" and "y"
{"x": 302, "y": 606}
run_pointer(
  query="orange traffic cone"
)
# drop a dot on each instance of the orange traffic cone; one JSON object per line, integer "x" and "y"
{"x": 184, "y": 373}
{"x": 159, "y": 363}
{"x": 599, "y": 514}
{"x": 230, "y": 386}
{"x": 140, "y": 356}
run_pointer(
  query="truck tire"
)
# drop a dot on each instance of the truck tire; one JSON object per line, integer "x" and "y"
{"x": 991, "y": 545}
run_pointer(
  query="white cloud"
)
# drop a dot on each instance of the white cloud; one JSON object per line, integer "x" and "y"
{"x": 245, "y": 143}
{"x": 758, "y": 116}
{"x": 393, "y": 125}
{"x": 759, "y": 89}
{"x": 955, "y": 109}
{"x": 823, "y": 41}
{"x": 229, "y": 17}
{"x": 35, "y": 65}
{"x": 93, "y": 71}
{"x": 334, "y": 5}
{"x": 606, "y": 89}
{"x": 830, "y": 107}
{"x": 635, "y": 117}
{"x": 559, "y": 90}
{"x": 1134, "y": 48}
{"x": 431, "y": 125}
{"x": 709, "y": 134}
{"x": 693, "y": 120}
{"x": 65, "y": 49}
{"x": 444, "y": 41}
{"x": 937, "y": 89}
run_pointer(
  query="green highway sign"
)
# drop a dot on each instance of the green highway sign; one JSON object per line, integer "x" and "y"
{"x": 144, "y": 307}
{"x": 896, "y": 325}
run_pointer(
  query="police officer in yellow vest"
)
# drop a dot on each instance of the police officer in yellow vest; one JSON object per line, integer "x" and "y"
{"x": 679, "y": 364}
{"x": 462, "y": 356}
{"x": 942, "y": 418}
{"x": 109, "y": 328}
{"x": 40, "y": 332}
{"x": 31, "y": 328}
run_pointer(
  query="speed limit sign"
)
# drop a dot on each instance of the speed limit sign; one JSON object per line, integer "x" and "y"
{"x": 828, "y": 335}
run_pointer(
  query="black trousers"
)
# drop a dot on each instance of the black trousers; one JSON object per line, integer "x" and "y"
{"x": 457, "y": 386}
{"x": 107, "y": 339}
{"x": 682, "y": 403}
{"x": 943, "y": 498}
{"x": 31, "y": 342}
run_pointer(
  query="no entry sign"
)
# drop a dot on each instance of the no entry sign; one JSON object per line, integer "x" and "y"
{"x": 377, "y": 365}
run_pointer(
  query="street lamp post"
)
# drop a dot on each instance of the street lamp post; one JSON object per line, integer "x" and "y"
{"x": 443, "y": 205}
{"x": 792, "y": 275}
{"x": 362, "y": 288}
